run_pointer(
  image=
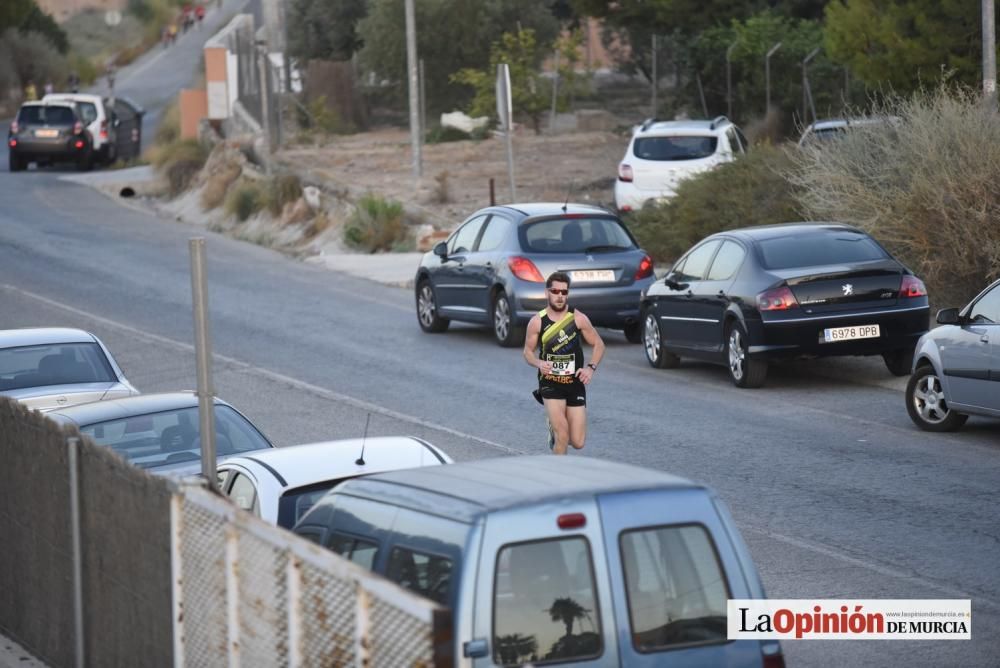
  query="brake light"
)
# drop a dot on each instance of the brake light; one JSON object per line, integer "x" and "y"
{"x": 79, "y": 143}
{"x": 13, "y": 143}
{"x": 77, "y": 128}
{"x": 645, "y": 268}
{"x": 104, "y": 129}
{"x": 524, "y": 269}
{"x": 572, "y": 521}
{"x": 778, "y": 299}
{"x": 912, "y": 287}
{"x": 625, "y": 172}
{"x": 15, "y": 128}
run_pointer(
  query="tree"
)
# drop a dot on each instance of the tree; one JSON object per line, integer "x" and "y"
{"x": 520, "y": 51}
{"x": 325, "y": 29}
{"x": 27, "y": 17}
{"x": 903, "y": 43}
{"x": 450, "y": 34}
{"x": 567, "y": 611}
{"x": 515, "y": 648}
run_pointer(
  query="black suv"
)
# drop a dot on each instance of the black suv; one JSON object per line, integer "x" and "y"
{"x": 48, "y": 133}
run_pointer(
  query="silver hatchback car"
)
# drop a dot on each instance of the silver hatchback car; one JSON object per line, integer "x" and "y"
{"x": 956, "y": 367}
{"x": 53, "y": 367}
{"x": 492, "y": 270}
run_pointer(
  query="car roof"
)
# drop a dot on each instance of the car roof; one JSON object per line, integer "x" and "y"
{"x": 300, "y": 465}
{"x": 79, "y": 97}
{"x": 534, "y": 209}
{"x": 113, "y": 409}
{"x": 470, "y": 489}
{"x": 38, "y": 336}
{"x": 49, "y": 103}
{"x": 655, "y": 127}
{"x": 834, "y": 123}
{"x": 761, "y": 232}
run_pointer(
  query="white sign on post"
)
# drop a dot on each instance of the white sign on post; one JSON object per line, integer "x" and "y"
{"x": 505, "y": 112}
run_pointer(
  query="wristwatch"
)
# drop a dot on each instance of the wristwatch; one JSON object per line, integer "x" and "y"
{"x": 593, "y": 366}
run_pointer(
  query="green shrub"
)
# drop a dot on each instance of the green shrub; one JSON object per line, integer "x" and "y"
{"x": 442, "y": 134}
{"x": 246, "y": 199}
{"x": 180, "y": 161}
{"x": 281, "y": 191}
{"x": 377, "y": 225}
{"x": 752, "y": 190}
{"x": 925, "y": 186}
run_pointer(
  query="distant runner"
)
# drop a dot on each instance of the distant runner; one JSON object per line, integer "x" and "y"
{"x": 563, "y": 376}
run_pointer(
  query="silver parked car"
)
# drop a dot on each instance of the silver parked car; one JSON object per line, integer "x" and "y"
{"x": 161, "y": 432}
{"x": 492, "y": 269}
{"x": 956, "y": 367}
{"x": 50, "y": 367}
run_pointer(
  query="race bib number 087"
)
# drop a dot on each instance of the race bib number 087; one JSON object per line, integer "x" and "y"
{"x": 562, "y": 365}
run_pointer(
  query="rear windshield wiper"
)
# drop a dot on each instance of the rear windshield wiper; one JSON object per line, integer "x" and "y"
{"x": 594, "y": 249}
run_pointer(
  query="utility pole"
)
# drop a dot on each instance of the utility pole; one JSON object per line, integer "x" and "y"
{"x": 807, "y": 104}
{"x": 989, "y": 56}
{"x": 654, "y": 77}
{"x": 414, "y": 77}
{"x": 729, "y": 79}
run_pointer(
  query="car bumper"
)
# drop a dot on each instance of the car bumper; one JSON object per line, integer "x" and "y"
{"x": 52, "y": 149}
{"x": 630, "y": 198}
{"x": 900, "y": 328}
{"x": 613, "y": 306}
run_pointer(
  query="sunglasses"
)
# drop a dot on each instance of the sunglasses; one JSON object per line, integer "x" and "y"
{"x": 558, "y": 292}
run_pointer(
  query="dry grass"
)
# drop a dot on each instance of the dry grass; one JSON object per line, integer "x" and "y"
{"x": 926, "y": 187}
{"x": 214, "y": 192}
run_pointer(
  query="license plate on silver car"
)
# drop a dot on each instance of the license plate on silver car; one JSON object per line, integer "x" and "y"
{"x": 592, "y": 275}
{"x": 835, "y": 334}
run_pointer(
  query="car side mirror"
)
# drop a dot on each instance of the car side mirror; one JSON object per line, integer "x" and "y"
{"x": 948, "y": 316}
{"x": 441, "y": 250}
{"x": 673, "y": 284}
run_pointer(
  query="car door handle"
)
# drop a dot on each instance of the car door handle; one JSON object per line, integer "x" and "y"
{"x": 985, "y": 338}
{"x": 722, "y": 294}
{"x": 689, "y": 293}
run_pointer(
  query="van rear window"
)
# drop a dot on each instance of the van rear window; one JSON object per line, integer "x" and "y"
{"x": 545, "y": 604}
{"x": 676, "y": 589}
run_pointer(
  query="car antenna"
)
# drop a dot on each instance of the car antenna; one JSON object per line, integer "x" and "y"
{"x": 360, "y": 461}
{"x": 568, "y": 192}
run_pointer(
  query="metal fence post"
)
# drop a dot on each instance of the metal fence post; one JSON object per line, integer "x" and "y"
{"x": 176, "y": 578}
{"x": 806, "y": 89}
{"x": 233, "y": 595}
{"x": 362, "y": 634}
{"x": 767, "y": 76}
{"x": 555, "y": 92}
{"x": 293, "y": 583}
{"x": 654, "y": 78}
{"x": 79, "y": 644}
{"x": 203, "y": 353}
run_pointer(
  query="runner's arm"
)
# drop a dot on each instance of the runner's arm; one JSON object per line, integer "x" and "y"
{"x": 531, "y": 344}
{"x": 591, "y": 336}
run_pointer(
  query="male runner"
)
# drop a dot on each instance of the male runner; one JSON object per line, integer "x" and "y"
{"x": 556, "y": 332}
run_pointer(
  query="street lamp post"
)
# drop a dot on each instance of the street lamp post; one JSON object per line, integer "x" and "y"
{"x": 767, "y": 75}
{"x": 989, "y": 56}
{"x": 729, "y": 80}
{"x": 414, "y": 78}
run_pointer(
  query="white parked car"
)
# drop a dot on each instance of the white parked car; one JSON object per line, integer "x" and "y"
{"x": 823, "y": 131}
{"x": 661, "y": 154}
{"x": 52, "y": 367}
{"x": 281, "y": 484}
{"x": 100, "y": 122}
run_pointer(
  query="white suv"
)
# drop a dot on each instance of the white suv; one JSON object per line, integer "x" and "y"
{"x": 98, "y": 120}
{"x": 663, "y": 153}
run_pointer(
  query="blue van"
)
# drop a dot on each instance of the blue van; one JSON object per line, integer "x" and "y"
{"x": 544, "y": 560}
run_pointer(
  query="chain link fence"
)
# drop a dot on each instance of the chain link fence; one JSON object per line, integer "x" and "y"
{"x": 106, "y": 565}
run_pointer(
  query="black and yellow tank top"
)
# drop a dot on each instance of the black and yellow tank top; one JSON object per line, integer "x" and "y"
{"x": 560, "y": 343}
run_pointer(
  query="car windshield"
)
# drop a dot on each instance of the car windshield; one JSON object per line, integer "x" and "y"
{"x": 56, "y": 364}
{"x": 575, "y": 235}
{"x": 818, "y": 248}
{"x": 44, "y": 115}
{"x": 683, "y": 147}
{"x": 155, "y": 439}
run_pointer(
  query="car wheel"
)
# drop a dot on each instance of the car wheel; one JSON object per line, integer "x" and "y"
{"x": 652, "y": 340}
{"x": 926, "y": 403}
{"x": 15, "y": 163}
{"x": 507, "y": 333}
{"x": 427, "y": 309}
{"x": 633, "y": 332}
{"x": 898, "y": 362}
{"x": 744, "y": 370}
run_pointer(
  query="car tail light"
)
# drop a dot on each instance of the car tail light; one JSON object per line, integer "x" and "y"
{"x": 912, "y": 287}
{"x": 12, "y": 143}
{"x": 774, "y": 659}
{"x": 778, "y": 299}
{"x": 524, "y": 269}
{"x": 625, "y": 208}
{"x": 572, "y": 521}
{"x": 14, "y": 128}
{"x": 78, "y": 143}
{"x": 625, "y": 172}
{"x": 77, "y": 128}
{"x": 645, "y": 268}
{"x": 104, "y": 129}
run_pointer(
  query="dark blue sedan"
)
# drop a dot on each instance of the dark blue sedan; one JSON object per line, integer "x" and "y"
{"x": 743, "y": 297}
{"x": 492, "y": 269}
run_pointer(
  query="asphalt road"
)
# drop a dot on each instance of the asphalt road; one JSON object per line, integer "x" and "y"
{"x": 835, "y": 491}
